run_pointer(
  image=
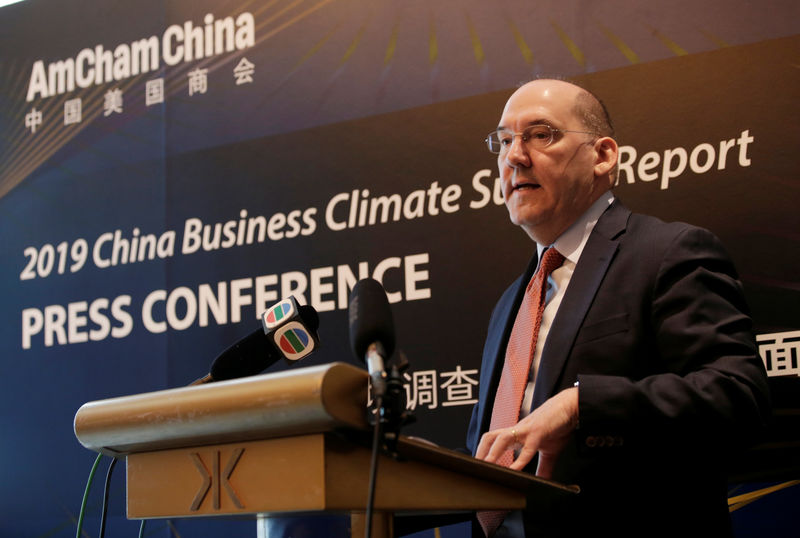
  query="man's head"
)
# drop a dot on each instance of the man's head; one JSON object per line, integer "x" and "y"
{"x": 547, "y": 186}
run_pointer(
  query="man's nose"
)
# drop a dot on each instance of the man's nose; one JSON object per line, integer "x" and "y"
{"x": 517, "y": 154}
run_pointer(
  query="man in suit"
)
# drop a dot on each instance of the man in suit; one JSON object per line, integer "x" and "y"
{"x": 639, "y": 373}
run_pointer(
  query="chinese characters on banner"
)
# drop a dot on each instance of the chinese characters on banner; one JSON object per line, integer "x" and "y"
{"x": 780, "y": 351}
{"x": 431, "y": 389}
{"x": 113, "y": 102}
{"x": 33, "y": 119}
{"x": 113, "y": 99}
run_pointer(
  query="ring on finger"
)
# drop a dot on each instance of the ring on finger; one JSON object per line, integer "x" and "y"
{"x": 514, "y": 434}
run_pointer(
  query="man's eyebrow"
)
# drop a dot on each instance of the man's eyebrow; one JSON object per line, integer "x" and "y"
{"x": 538, "y": 121}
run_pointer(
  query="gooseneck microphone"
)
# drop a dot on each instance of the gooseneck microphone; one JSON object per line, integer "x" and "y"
{"x": 289, "y": 331}
{"x": 371, "y": 329}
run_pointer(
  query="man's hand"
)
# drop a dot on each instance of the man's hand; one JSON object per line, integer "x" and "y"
{"x": 545, "y": 431}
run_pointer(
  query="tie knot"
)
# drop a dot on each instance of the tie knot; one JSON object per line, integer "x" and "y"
{"x": 550, "y": 261}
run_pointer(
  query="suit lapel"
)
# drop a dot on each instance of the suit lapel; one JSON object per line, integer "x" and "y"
{"x": 494, "y": 351}
{"x": 589, "y": 272}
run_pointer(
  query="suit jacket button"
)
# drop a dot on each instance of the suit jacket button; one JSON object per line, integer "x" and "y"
{"x": 610, "y": 441}
{"x": 591, "y": 441}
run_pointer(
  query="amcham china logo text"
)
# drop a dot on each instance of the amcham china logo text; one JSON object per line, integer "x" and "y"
{"x": 178, "y": 43}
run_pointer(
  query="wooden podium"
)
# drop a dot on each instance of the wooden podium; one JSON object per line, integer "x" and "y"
{"x": 285, "y": 443}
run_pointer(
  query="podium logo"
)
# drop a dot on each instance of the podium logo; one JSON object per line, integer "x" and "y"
{"x": 214, "y": 481}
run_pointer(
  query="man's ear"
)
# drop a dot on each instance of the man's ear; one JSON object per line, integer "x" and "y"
{"x": 607, "y": 154}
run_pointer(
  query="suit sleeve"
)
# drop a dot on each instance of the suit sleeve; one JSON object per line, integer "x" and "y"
{"x": 703, "y": 379}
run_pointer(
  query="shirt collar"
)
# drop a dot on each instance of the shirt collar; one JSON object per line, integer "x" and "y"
{"x": 570, "y": 243}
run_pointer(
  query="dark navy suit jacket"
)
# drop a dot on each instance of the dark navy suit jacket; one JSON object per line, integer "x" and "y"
{"x": 655, "y": 328}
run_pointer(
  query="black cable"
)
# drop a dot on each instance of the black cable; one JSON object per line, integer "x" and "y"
{"x": 86, "y": 494}
{"x": 373, "y": 466}
{"x": 105, "y": 497}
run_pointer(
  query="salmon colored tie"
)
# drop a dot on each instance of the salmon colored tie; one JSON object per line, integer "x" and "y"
{"x": 517, "y": 366}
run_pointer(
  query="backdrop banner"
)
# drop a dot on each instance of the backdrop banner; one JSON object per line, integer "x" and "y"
{"x": 168, "y": 175}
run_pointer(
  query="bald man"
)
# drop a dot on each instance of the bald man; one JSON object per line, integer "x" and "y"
{"x": 634, "y": 374}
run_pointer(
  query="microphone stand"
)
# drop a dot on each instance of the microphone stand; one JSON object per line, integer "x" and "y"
{"x": 389, "y": 414}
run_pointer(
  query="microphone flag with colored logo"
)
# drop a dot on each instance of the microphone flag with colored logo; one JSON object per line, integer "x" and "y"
{"x": 288, "y": 330}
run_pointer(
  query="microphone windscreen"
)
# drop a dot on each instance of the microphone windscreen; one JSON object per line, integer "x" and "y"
{"x": 370, "y": 318}
{"x": 289, "y": 331}
{"x": 249, "y": 356}
{"x": 309, "y": 316}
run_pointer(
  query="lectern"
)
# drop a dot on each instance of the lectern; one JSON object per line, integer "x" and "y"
{"x": 287, "y": 443}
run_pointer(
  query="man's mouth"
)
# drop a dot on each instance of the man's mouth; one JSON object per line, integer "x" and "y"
{"x": 524, "y": 186}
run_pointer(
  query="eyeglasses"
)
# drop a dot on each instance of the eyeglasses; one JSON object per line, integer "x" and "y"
{"x": 535, "y": 136}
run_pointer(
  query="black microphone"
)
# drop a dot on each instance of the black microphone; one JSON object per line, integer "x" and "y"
{"x": 289, "y": 331}
{"x": 371, "y": 329}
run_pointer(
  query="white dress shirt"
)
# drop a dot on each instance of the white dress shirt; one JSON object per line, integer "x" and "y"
{"x": 570, "y": 244}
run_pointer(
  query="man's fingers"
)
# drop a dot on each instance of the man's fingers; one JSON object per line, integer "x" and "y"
{"x": 502, "y": 442}
{"x": 524, "y": 458}
{"x": 485, "y": 444}
{"x": 493, "y": 444}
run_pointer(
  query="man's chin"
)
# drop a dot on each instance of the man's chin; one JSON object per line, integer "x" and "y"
{"x": 534, "y": 224}
{"x": 525, "y": 218}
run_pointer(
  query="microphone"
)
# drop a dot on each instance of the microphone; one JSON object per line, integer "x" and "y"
{"x": 288, "y": 332}
{"x": 371, "y": 329}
